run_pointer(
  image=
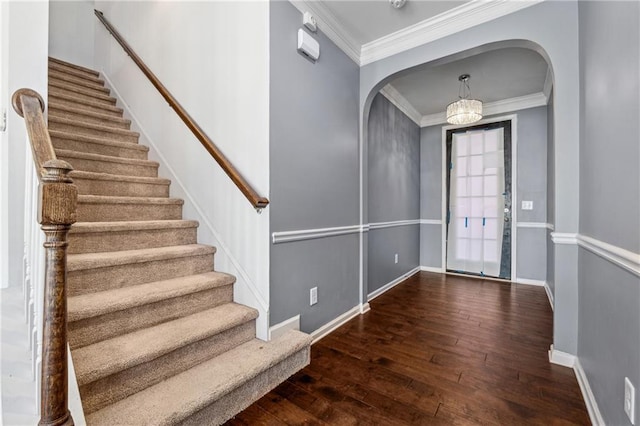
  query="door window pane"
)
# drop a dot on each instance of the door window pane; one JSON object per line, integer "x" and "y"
{"x": 476, "y": 167}
{"x": 461, "y": 187}
{"x": 491, "y": 185}
{"x": 461, "y": 167}
{"x": 490, "y": 250}
{"x": 476, "y": 228}
{"x": 476, "y": 185}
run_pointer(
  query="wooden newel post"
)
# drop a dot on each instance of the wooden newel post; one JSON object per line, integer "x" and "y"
{"x": 57, "y": 212}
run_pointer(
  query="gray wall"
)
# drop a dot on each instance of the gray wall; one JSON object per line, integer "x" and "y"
{"x": 609, "y": 318}
{"x": 431, "y": 196}
{"x": 551, "y": 181}
{"x": 394, "y": 192}
{"x": 314, "y": 174}
{"x": 531, "y": 184}
{"x": 557, "y": 42}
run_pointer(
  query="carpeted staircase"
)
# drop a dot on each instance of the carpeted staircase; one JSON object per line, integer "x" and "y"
{"x": 155, "y": 335}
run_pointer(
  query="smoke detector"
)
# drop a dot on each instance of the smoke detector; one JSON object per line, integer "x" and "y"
{"x": 397, "y": 4}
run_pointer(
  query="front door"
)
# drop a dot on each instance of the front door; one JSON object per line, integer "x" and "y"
{"x": 479, "y": 200}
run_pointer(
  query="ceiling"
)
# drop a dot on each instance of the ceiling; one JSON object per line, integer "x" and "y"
{"x": 369, "y": 30}
{"x": 368, "y": 20}
{"x": 495, "y": 76}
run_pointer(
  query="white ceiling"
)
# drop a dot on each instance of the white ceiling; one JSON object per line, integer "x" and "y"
{"x": 369, "y": 30}
{"x": 495, "y": 76}
{"x": 368, "y": 20}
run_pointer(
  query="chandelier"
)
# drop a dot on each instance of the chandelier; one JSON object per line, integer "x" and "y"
{"x": 464, "y": 110}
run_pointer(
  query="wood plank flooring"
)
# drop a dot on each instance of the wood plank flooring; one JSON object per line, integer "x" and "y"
{"x": 436, "y": 349}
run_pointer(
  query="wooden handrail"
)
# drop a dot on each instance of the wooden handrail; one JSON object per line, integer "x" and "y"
{"x": 58, "y": 198}
{"x": 256, "y": 200}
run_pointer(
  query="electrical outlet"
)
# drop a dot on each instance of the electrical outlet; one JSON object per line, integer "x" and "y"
{"x": 527, "y": 205}
{"x": 630, "y": 400}
{"x": 395, "y": 259}
{"x": 313, "y": 296}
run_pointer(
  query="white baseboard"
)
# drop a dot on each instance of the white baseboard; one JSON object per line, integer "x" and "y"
{"x": 572, "y": 361}
{"x": 547, "y": 289}
{"x": 527, "y": 281}
{"x": 432, "y": 269}
{"x": 392, "y": 284}
{"x": 335, "y": 323}
{"x": 561, "y": 358}
{"x": 279, "y": 329}
{"x": 364, "y": 308}
{"x": 587, "y": 395}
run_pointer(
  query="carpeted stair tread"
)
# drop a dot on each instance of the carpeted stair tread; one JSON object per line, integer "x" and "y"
{"x": 98, "y": 95}
{"x": 54, "y": 118}
{"x": 104, "y": 358}
{"x": 88, "y": 227}
{"x": 81, "y": 262}
{"x": 74, "y": 72}
{"x": 60, "y": 96}
{"x": 105, "y": 119}
{"x": 201, "y": 385}
{"x": 69, "y": 65}
{"x": 103, "y": 199}
{"x": 107, "y": 184}
{"x": 96, "y": 304}
{"x": 73, "y": 86}
{"x": 99, "y": 100}
{"x": 64, "y": 153}
{"x": 79, "y": 126}
{"x": 95, "y": 145}
{"x": 58, "y": 75}
{"x": 81, "y": 174}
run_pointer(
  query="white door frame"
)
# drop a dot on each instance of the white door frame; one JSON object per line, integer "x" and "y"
{"x": 514, "y": 185}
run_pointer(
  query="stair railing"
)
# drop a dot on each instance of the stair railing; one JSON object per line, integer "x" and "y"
{"x": 249, "y": 192}
{"x": 57, "y": 199}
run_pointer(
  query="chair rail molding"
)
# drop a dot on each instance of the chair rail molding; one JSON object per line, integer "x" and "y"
{"x": 617, "y": 255}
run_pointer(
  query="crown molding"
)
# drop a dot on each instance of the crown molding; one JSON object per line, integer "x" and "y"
{"x": 331, "y": 27}
{"x": 455, "y": 20}
{"x": 493, "y": 108}
{"x": 401, "y": 103}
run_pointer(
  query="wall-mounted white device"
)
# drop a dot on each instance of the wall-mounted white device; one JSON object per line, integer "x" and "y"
{"x": 307, "y": 45}
{"x": 309, "y": 21}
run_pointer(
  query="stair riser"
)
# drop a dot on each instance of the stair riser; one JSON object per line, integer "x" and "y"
{"x": 78, "y": 88}
{"x": 101, "y": 109}
{"x": 120, "y": 189}
{"x": 97, "y": 166}
{"x": 98, "y": 242}
{"x": 240, "y": 398}
{"x": 93, "y": 330}
{"x": 101, "y": 279}
{"x": 103, "y": 121}
{"x": 97, "y": 148}
{"x": 113, "y": 388}
{"x": 56, "y": 91}
{"x": 73, "y": 72}
{"x": 101, "y": 212}
{"x": 88, "y": 131}
{"x": 67, "y": 78}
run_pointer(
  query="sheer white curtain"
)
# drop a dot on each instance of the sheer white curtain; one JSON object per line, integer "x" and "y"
{"x": 476, "y": 202}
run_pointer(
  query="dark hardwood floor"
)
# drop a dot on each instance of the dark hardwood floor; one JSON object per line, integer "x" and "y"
{"x": 435, "y": 349}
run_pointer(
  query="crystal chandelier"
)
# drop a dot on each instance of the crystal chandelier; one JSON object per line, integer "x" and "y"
{"x": 464, "y": 110}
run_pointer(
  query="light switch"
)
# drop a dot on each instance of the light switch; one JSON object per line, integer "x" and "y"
{"x": 527, "y": 205}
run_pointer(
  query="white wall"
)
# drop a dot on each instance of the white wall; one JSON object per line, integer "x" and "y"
{"x": 25, "y": 27}
{"x": 71, "y": 31}
{"x": 214, "y": 58}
